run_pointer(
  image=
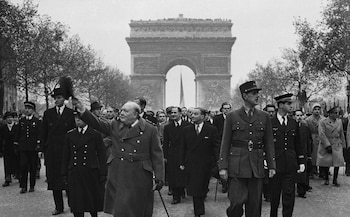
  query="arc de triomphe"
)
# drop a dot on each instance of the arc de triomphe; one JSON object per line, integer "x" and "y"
{"x": 204, "y": 45}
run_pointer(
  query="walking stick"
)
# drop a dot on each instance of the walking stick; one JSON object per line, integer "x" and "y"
{"x": 216, "y": 189}
{"x": 161, "y": 198}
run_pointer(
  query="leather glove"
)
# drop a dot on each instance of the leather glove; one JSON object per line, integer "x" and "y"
{"x": 158, "y": 185}
{"x": 329, "y": 149}
{"x": 103, "y": 179}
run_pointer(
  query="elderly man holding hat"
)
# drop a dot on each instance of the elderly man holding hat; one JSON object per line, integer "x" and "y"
{"x": 332, "y": 142}
{"x": 28, "y": 140}
{"x": 290, "y": 156}
{"x": 312, "y": 123}
{"x": 57, "y": 121}
{"x": 247, "y": 135}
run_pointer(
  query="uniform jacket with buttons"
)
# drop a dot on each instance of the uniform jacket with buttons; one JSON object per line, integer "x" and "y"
{"x": 239, "y": 129}
{"x": 28, "y": 135}
{"x": 289, "y": 150}
{"x": 85, "y": 150}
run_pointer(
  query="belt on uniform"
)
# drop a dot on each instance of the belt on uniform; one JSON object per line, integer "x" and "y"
{"x": 250, "y": 145}
{"x": 132, "y": 156}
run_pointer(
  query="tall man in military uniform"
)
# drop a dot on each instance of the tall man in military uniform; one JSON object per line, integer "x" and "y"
{"x": 28, "y": 140}
{"x": 290, "y": 157}
{"x": 57, "y": 121}
{"x": 247, "y": 135}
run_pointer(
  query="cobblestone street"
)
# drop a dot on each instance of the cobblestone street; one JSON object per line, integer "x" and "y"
{"x": 323, "y": 201}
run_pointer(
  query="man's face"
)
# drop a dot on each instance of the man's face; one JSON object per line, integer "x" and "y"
{"x": 97, "y": 112}
{"x": 79, "y": 122}
{"x": 184, "y": 111}
{"x": 316, "y": 111}
{"x": 128, "y": 114}
{"x": 174, "y": 114}
{"x": 9, "y": 120}
{"x": 59, "y": 100}
{"x": 252, "y": 97}
{"x": 334, "y": 114}
{"x": 271, "y": 111}
{"x": 298, "y": 116}
{"x": 110, "y": 113}
{"x": 286, "y": 107}
{"x": 212, "y": 114}
{"x": 161, "y": 117}
{"x": 197, "y": 117}
{"x": 28, "y": 110}
{"x": 226, "y": 109}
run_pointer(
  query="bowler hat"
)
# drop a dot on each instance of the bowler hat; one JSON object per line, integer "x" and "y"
{"x": 95, "y": 105}
{"x": 284, "y": 98}
{"x": 57, "y": 92}
{"x": 29, "y": 104}
{"x": 248, "y": 87}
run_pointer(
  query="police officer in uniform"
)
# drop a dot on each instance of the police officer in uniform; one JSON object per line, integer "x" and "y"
{"x": 290, "y": 157}
{"x": 28, "y": 139}
{"x": 247, "y": 135}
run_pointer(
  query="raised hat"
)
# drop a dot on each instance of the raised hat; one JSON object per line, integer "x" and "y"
{"x": 284, "y": 98}
{"x": 95, "y": 105}
{"x": 29, "y": 104}
{"x": 57, "y": 92}
{"x": 248, "y": 87}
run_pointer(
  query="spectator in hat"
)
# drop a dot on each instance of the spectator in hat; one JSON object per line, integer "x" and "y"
{"x": 57, "y": 121}
{"x": 246, "y": 136}
{"x": 28, "y": 140}
{"x": 332, "y": 142}
{"x": 8, "y": 149}
{"x": 95, "y": 108}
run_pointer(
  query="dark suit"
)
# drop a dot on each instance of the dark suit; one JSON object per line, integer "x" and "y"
{"x": 244, "y": 141}
{"x": 54, "y": 130}
{"x": 199, "y": 153}
{"x": 289, "y": 154}
{"x": 171, "y": 148}
{"x": 28, "y": 138}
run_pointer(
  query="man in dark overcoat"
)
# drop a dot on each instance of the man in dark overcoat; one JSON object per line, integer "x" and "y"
{"x": 8, "y": 149}
{"x": 247, "y": 135}
{"x": 171, "y": 147}
{"x": 84, "y": 166}
{"x": 28, "y": 140}
{"x": 57, "y": 121}
{"x": 199, "y": 151}
{"x": 136, "y": 156}
{"x": 290, "y": 157}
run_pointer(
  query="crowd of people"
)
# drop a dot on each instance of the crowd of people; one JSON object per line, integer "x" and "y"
{"x": 113, "y": 160}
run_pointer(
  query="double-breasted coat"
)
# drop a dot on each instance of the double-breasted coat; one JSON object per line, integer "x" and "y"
{"x": 53, "y": 132}
{"x": 199, "y": 153}
{"x": 312, "y": 123}
{"x": 331, "y": 134}
{"x": 84, "y": 165}
{"x": 28, "y": 135}
{"x": 171, "y": 147}
{"x": 136, "y": 155}
{"x": 240, "y": 132}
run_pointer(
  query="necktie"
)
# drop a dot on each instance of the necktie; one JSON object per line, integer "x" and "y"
{"x": 58, "y": 112}
{"x": 250, "y": 113}
{"x": 197, "y": 129}
{"x": 284, "y": 120}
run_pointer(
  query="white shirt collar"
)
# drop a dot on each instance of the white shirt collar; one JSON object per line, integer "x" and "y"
{"x": 133, "y": 124}
{"x": 200, "y": 126}
{"x": 60, "y": 108}
{"x": 280, "y": 118}
{"x": 84, "y": 129}
{"x": 29, "y": 117}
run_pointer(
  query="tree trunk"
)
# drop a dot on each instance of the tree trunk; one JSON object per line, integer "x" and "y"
{"x": 2, "y": 91}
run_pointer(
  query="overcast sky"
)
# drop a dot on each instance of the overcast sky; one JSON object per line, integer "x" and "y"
{"x": 262, "y": 27}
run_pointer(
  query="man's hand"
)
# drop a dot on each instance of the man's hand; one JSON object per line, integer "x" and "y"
{"x": 78, "y": 105}
{"x": 272, "y": 172}
{"x": 301, "y": 168}
{"x": 158, "y": 185}
{"x": 182, "y": 167}
{"x": 223, "y": 174}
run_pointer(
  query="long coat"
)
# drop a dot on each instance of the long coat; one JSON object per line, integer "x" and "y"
{"x": 53, "y": 132}
{"x": 136, "y": 156}
{"x": 9, "y": 150}
{"x": 199, "y": 154}
{"x": 218, "y": 122}
{"x": 84, "y": 164}
{"x": 289, "y": 151}
{"x": 171, "y": 148}
{"x": 239, "y": 129}
{"x": 331, "y": 134}
{"x": 306, "y": 141}
{"x": 312, "y": 123}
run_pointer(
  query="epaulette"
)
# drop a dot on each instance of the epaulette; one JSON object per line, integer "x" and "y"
{"x": 71, "y": 130}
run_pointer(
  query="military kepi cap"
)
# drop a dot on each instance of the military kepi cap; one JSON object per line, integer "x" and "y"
{"x": 284, "y": 98}
{"x": 248, "y": 87}
{"x": 29, "y": 104}
{"x": 57, "y": 92}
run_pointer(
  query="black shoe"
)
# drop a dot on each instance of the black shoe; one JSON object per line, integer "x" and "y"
{"x": 23, "y": 190}
{"x": 56, "y": 212}
{"x": 175, "y": 202}
{"x": 326, "y": 182}
{"x": 31, "y": 189}
{"x": 6, "y": 183}
{"x": 336, "y": 184}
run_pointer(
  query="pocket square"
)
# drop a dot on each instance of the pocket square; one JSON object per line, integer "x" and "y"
{"x": 206, "y": 137}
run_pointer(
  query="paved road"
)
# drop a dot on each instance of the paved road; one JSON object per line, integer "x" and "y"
{"x": 324, "y": 201}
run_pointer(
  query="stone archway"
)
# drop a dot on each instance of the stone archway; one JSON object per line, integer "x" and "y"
{"x": 203, "y": 45}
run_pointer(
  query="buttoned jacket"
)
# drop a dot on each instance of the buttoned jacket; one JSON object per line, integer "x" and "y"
{"x": 28, "y": 135}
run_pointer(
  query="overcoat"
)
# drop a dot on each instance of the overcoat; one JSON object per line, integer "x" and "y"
{"x": 53, "y": 132}
{"x": 136, "y": 155}
{"x": 199, "y": 154}
{"x": 171, "y": 147}
{"x": 235, "y": 156}
{"x": 312, "y": 123}
{"x": 218, "y": 122}
{"x": 331, "y": 134}
{"x": 28, "y": 135}
{"x": 9, "y": 150}
{"x": 84, "y": 165}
